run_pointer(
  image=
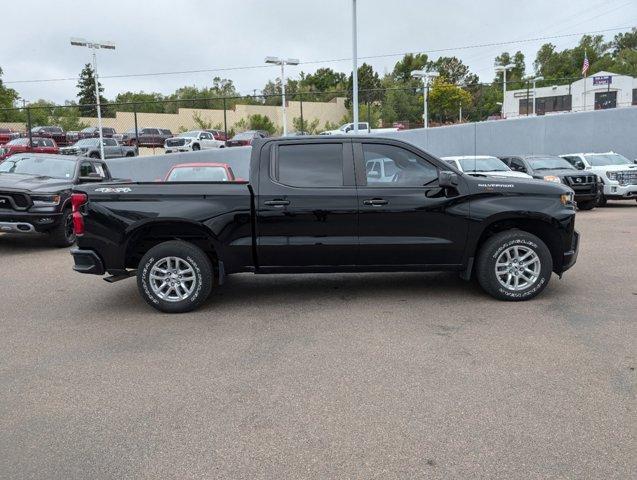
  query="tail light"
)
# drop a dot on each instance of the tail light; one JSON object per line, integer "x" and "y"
{"x": 77, "y": 200}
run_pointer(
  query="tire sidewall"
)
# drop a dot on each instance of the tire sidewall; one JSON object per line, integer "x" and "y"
{"x": 487, "y": 276}
{"x": 187, "y": 252}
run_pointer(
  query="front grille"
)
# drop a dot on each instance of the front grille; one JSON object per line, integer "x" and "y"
{"x": 69, "y": 151}
{"x": 177, "y": 142}
{"x": 581, "y": 180}
{"x": 14, "y": 201}
{"x": 627, "y": 177}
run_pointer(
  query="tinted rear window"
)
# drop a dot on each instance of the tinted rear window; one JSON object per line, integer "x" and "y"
{"x": 310, "y": 165}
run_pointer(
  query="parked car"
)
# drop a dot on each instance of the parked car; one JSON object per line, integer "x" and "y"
{"x": 35, "y": 193}
{"x": 363, "y": 129}
{"x": 6, "y": 135}
{"x": 53, "y": 132}
{"x": 192, "y": 141}
{"x": 201, "y": 172}
{"x": 148, "y": 137}
{"x": 617, "y": 173}
{"x": 218, "y": 134}
{"x": 483, "y": 165}
{"x": 307, "y": 208}
{"x": 245, "y": 138}
{"x": 24, "y": 145}
{"x": 94, "y": 132}
{"x": 551, "y": 168}
{"x": 90, "y": 147}
{"x": 72, "y": 137}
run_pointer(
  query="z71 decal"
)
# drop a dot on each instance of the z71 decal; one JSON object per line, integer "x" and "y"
{"x": 113, "y": 190}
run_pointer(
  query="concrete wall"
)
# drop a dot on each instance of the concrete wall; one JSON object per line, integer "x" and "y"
{"x": 597, "y": 131}
{"x": 184, "y": 119}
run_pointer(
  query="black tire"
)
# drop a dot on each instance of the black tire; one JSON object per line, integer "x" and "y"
{"x": 94, "y": 155}
{"x": 602, "y": 201}
{"x": 196, "y": 147}
{"x": 63, "y": 235}
{"x": 496, "y": 246}
{"x": 190, "y": 255}
{"x": 587, "y": 205}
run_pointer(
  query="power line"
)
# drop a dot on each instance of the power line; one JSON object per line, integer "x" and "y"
{"x": 334, "y": 60}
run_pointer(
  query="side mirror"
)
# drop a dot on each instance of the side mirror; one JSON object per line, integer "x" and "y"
{"x": 447, "y": 179}
{"x": 91, "y": 178}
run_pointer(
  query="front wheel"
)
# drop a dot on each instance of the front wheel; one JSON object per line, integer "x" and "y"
{"x": 602, "y": 201}
{"x": 514, "y": 265}
{"x": 587, "y": 205}
{"x": 175, "y": 277}
{"x": 64, "y": 234}
{"x": 196, "y": 147}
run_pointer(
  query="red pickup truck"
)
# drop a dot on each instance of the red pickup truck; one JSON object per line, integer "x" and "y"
{"x": 22, "y": 145}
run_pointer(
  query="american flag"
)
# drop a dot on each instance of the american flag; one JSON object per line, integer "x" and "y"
{"x": 585, "y": 65}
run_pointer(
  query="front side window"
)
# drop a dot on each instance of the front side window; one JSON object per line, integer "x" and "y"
{"x": 86, "y": 168}
{"x": 402, "y": 168}
{"x": 576, "y": 162}
{"x": 109, "y": 142}
{"x": 310, "y": 165}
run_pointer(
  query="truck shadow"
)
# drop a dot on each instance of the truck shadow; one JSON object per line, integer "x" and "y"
{"x": 16, "y": 244}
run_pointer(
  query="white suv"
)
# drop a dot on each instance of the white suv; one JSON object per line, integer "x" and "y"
{"x": 478, "y": 165}
{"x": 192, "y": 141}
{"x": 617, "y": 172}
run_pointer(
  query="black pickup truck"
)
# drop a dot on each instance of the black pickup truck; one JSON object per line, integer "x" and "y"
{"x": 35, "y": 193}
{"x": 310, "y": 206}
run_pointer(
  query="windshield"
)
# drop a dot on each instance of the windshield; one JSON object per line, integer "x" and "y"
{"x": 198, "y": 174}
{"x": 39, "y": 166}
{"x": 484, "y": 164}
{"x": 603, "y": 159}
{"x": 189, "y": 134}
{"x": 549, "y": 163}
{"x": 87, "y": 142}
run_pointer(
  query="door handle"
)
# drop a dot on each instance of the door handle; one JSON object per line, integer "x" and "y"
{"x": 375, "y": 202}
{"x": 277, "y": 203}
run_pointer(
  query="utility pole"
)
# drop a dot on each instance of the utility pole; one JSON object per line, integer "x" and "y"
{"x": 354, "y": 69}
{"x": 283, "y": 62}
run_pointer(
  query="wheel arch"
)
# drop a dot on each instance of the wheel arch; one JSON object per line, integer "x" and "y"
{"x": 544, "y": 227}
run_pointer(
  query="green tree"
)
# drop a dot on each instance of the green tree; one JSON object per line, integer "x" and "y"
{"x": 140, "y": 101}
{"x": 454, "y": 71}
{"x": 304, "y": 125}
{"x": 516, "y": 74}
{"x": 86, "y": 93}
{"x": 369, "y": 85}
{"x": 445, "y": 100}
{"x": 8, "y": 97}
{"x": 409, "y": 63}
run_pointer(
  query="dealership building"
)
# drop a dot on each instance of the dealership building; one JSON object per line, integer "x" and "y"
{"x": 599, "y": 91}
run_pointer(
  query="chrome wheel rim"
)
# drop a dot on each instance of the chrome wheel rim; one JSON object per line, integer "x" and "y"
{"x": 172, "y": 279}
{"x": 517, "y": 268}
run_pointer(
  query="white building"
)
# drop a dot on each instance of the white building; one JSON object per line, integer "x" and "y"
{"x": 599, "y": 91}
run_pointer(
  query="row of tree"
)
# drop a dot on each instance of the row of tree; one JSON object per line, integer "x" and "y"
{"x": 395, "y": 96}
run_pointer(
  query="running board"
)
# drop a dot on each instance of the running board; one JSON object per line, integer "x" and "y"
{"x": 120, "y": 276}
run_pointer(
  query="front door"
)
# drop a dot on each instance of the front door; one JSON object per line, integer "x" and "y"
{"x": 405, "y": 218}
{"x": 307, "y": 205}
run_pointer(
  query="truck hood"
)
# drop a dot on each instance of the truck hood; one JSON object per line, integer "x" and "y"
{"x": 18, "y": 181}
{"x": 499, "y": 173}
{"x": 615, "y": 168}
{"x": 560, "y": 172}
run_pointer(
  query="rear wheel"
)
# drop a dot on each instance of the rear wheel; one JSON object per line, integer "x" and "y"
{"x": 587, "y": 205}
{"x": 514, "y": 265}
{"x": 175, "y": 277}
{"x": 64, "y": 234}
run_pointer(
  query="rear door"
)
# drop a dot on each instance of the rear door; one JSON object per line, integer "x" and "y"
{"x": 406, "y": 218}
{"x": 307, "y": 205}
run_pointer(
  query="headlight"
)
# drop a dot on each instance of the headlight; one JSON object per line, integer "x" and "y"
{"x": 45, "y": 200}
{"x": 552, "y": 178}
{"x": 612, "y": 176}
{"x": 566, "y": 198}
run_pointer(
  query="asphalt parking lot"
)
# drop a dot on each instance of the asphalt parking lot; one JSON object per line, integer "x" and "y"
{"x": 322, "y": 376}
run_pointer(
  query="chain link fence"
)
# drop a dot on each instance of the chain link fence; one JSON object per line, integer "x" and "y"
{"x": 147, "y": 125}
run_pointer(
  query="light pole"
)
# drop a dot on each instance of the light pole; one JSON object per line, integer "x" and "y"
{"x": 503, "y": 69}
{"x": 426, "y": 78}
{"x": 283, "y": 62}
{"x": 354, "y": 69}
{"x": 536, "y": 79}
{"x": 81, "y": 42}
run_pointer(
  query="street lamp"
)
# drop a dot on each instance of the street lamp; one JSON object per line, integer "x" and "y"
{"x": 81, "y": 42}
{"x": 283, "y": 62}
{"x": 354, "y": 69}
{"x": 427, "y": 77}
{"x": 536, "y": 79}
{"x": 503, "y": 69}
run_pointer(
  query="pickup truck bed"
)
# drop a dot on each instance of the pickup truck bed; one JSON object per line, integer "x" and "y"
{"x": 312, "y": 205}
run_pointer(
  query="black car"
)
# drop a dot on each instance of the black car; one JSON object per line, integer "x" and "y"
{"x": 35, "y": 193}
{"x": 586, "y": 185}
{"x": 310, "y": 206}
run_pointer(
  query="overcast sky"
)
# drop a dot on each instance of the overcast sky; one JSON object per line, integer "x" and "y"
{"x": 162, "y": 36}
